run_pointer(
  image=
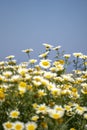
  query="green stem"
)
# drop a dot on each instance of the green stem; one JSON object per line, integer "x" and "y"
{"x": 68, "y": 121}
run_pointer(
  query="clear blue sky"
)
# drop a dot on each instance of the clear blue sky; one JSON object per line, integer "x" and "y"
{"x": 29, "y": 23}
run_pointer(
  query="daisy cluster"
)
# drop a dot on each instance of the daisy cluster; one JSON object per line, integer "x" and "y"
{"x": 41, "y": 94}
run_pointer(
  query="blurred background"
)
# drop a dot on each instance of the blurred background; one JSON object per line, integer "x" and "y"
{"x": 30, "y": 23}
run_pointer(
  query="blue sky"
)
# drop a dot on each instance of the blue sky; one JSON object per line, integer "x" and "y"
{"x": 29, "y": 23}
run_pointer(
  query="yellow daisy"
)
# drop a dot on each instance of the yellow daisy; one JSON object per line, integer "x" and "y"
{"x": 14, "y": 114}
{"x": 18, "y": 125}
{"x": 31, "y": 126}
{"x": 45, "y": 64}
{"x": 7, "y": 125}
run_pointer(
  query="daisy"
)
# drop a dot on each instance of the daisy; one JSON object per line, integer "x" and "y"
{"x": 55, "y": 114}
{"x": 18, "y": 125}
{"x": 59, "y": 109}
{"x": 7, "y": 74}
{"x": 22, "y": 71}
{"x": 45, "y": 82}
{"x": 59, "y": 67}
{"x": 27, "y": 50}
{"x": 77, "y": 54}
{"x": 31, "y": 126}
{"x": 32, "y": 61}
{"x": 49, "y": 75}
{"x": 67, "y": 56}
{"x": 41, "y": 93}
{"x": 47, "y": 45}
{"x": 45, "y": 64}
{"x": 42, "y": 108}
{"x": 35, "y": 118}
{"x": 15, "y": 78}
{"x": 7, "y": 125}
{"x": 22, "y": 86}
{"x": 80, "y": 110}
{"x": 56, "y": 91}
{"x": 44, "y": 55}
{"x": 10, "y": 57}
{"x": 83, "y": 57}
{"x": 68, "y": 108}
{"x": 14, "y": 114}
{"x": 37, "y": 80}
{"x": 57, "y": 48}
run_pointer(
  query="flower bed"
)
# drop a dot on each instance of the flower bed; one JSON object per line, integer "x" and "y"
{"x": 41, "y": 95}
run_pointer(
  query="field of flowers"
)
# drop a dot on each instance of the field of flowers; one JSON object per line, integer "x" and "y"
{"x": 41, "y": 94}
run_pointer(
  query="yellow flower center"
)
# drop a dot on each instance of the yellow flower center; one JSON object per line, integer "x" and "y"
{"x": 42, "y": 108}
{"x": 8, "y": 125}
{"x": 56, "y": 116}
{"x": 2, "y": 95}
{"x": 35, "y": 118}
{"x": 22, "y": 84}
{"x": 14, "y": 114}
{"x": 18, "y": 127}
{"x": 72, "y": 129}
{"x": 31, "y": 127}
{"x": 45, "y": 63}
